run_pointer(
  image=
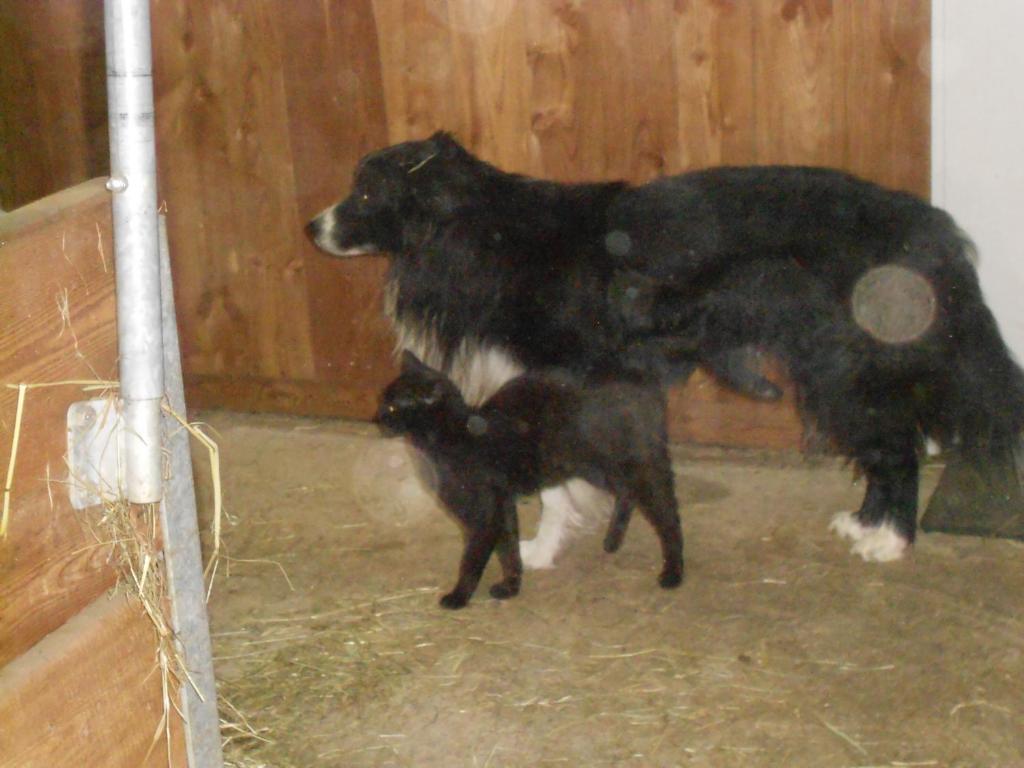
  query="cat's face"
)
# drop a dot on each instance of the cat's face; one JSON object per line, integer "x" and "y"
{"x": 416, "y": 399}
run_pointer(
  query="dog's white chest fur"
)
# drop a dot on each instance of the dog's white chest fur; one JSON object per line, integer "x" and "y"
{"x": 477, "y": 369}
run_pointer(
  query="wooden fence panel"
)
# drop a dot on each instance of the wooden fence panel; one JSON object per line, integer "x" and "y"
{"x": 79, "y": 684}
{"x": 57, "y": 323}
{"x": 90, "y": 695}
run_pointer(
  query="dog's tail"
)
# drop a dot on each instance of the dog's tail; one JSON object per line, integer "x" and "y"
{"x": 983, "y": 409}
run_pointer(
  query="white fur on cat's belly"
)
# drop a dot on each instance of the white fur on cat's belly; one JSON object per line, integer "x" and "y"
{"x": 878, "y": 544}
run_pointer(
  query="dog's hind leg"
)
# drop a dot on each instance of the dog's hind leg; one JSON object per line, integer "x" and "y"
{"x": 885, "y": 526}
{"x": 740, "y": 369}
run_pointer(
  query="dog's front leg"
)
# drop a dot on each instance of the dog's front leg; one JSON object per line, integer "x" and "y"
{"x": 562, "y": 508}
{"x": 557, "y": 512}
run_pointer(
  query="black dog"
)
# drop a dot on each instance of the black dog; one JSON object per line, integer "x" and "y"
{"x": 494, "y": 273}
{"x": 556, "y": 306}
{"x": 539, "y": 429}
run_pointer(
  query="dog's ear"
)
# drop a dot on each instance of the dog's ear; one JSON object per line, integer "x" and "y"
{"x": 436, "y": 175}
{"x": 446, "y": 144}
{"x": 430, "y": 174}
{"x": 438, "y": 194}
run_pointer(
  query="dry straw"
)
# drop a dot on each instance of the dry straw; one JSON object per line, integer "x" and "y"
{"x": 213, "y": 451}
{"x": 9, "y": 483}
{"x": 132, "y": 534}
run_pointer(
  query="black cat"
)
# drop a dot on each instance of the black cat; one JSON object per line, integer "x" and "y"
{"x": 540, "y": 429}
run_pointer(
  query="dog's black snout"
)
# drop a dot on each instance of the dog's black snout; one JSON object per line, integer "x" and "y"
{"x": 313, "y": 229}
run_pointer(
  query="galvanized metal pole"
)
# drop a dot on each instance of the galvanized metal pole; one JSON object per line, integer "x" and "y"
{"x": 182, "y": 555}
{"x": 133, "y": 184}
{"x": 143, "y": 309}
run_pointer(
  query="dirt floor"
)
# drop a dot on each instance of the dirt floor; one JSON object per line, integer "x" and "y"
{"x": 780, "y": 649}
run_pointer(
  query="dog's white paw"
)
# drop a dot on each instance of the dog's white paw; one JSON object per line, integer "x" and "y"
{"x": 875, "y": 544}
{"x": 847, "y": 526}
{"x": 536, "y": 554}
{"x": 882, "y": 545}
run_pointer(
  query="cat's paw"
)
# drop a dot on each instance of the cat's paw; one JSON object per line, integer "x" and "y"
{"x": 671, "y": 577}
{"x": 503, "y": 590}
{"x": 454, "y": 600}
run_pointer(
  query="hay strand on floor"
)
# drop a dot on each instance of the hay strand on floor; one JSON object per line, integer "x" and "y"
{"x": 15, "y": 440}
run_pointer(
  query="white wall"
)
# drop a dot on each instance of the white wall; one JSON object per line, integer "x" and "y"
{"x": 978, "y": 142}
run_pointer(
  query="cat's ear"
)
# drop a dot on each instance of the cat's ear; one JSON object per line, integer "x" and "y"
{"x": 412, "y": 364}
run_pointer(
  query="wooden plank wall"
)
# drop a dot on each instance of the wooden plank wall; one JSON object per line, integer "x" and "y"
{"x": 263, "y": 112}
{"x": 53, "y": 98}
{"x": 76, "y": 668}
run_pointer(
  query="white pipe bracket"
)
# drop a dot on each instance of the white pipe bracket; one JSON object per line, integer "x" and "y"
{"x": 101, "y": 434}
